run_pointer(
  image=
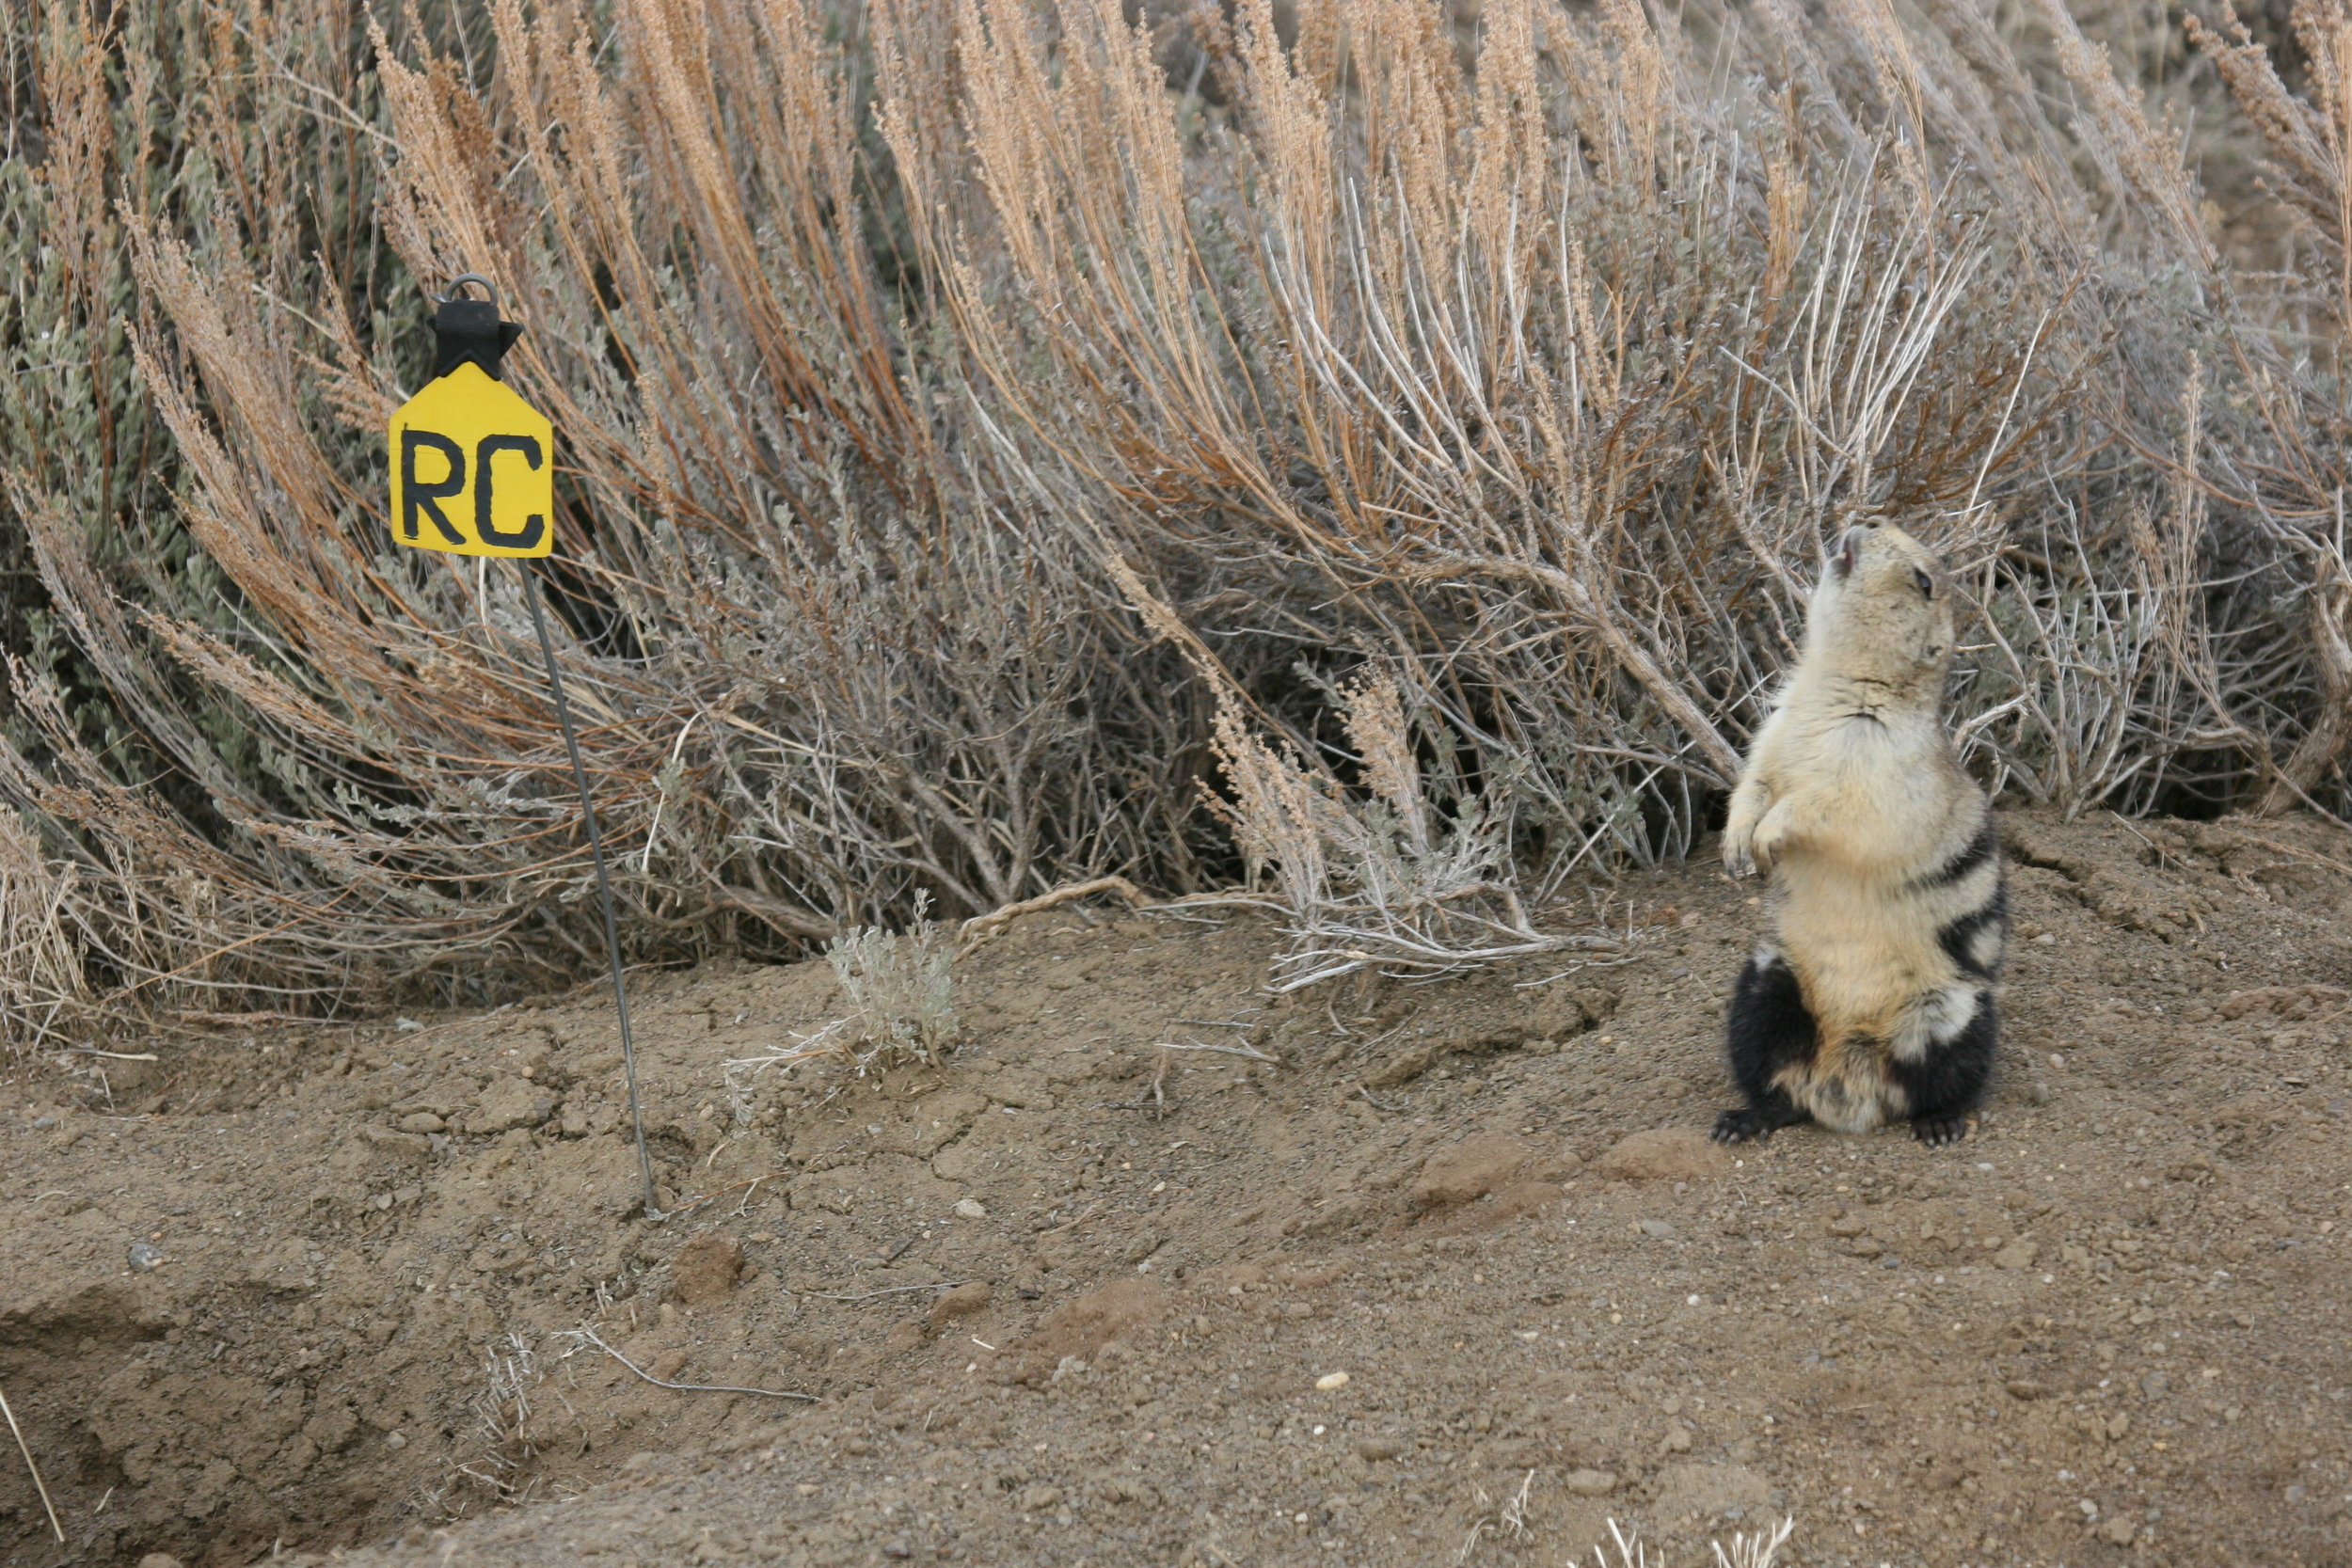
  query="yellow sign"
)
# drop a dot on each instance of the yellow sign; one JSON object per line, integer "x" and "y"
{"x": 473, "y": 468}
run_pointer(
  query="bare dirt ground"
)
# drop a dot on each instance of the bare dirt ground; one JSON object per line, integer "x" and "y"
{"x": 1072, "y": 1298}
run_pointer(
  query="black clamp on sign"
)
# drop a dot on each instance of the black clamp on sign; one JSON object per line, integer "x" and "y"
{"x": 466, "y": 331}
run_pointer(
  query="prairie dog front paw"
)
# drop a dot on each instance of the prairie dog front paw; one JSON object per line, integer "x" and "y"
{"x": 1740, "y": 854}
{"x": 1747, "y": 808}
{"x": 1771, "y": 837}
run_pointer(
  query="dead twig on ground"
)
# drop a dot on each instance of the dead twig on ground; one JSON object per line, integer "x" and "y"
{"x": 983, "y": 928}
{"x": 891, "y": 1291}
{"x": 1157, "y": 1103}
{"x": 1514, "y": 1523}
{"x": 589, "y": 1337}
{"x": 2306, "y": 857}
{"x": 1221, "y": 1050}
{"x": 688, "y": 1205}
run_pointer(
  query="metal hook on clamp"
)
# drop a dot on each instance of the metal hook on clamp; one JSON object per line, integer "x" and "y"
{"x": 460, "y": 282}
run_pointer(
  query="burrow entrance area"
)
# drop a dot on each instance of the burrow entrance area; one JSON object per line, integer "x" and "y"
{"x": 325, "y": 1286}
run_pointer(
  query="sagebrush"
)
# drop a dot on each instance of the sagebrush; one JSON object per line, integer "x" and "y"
{"x": 901, "y": 990}
{"x": 942, "y": 388}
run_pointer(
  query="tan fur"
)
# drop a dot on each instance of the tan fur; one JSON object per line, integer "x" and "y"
{"x": 1851, "y": 795}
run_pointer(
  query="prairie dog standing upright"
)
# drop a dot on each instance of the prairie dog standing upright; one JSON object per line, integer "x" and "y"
{"x": 1874, "y": 1003}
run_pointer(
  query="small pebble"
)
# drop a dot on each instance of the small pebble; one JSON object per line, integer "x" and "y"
{"x": 1657, "y": 1227}
{"x": 144, "y": 1256}
{"x": 395, "y": 1440}
{"x": 970, "y": 1209}
{"x": 1590, "y": 1483}
{"x": 1329, "y": 1381}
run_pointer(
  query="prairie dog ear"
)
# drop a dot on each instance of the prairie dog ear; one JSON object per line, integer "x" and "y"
{"x": 1849, "y": 551}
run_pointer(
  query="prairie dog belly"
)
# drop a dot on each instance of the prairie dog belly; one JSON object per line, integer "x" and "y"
{"x": 1864, "y": 951}
{"x": 1866, "y": 961}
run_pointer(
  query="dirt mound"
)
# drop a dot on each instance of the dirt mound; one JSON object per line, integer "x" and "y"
{"x": 1072, "y": 1297}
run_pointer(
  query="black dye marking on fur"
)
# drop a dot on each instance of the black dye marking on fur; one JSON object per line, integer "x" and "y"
{"x": 1769, "y": 1028}
{"x": 1958, "y": 939}
{"x": 1975, "y": 853}
{"x": 1950, "y": 1081}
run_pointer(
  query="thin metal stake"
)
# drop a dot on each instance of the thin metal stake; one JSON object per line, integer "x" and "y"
{"x": 604, "y": 888}
{"x": 39, "y": 1485}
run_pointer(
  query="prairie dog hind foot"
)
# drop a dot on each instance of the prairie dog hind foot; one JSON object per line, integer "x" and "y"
{"x": 1941, "y": 1130}
{"x": 1748, "y": 1124}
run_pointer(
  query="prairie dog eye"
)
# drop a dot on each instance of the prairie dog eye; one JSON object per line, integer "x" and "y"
{"x": 1927, "y": 583}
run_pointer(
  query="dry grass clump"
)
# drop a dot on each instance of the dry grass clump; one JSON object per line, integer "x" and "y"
{"x": 938, "y": 383}
{"x": 1755, "y": 1549}
{"x": 1748, "y": 1549}
{"x": 1377, "y": 876}
{"x": 507, "y": 1415}
{"x": 41, "y": 972}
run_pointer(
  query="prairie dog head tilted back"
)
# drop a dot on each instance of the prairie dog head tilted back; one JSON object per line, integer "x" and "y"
{"x": 1883, "y": 615}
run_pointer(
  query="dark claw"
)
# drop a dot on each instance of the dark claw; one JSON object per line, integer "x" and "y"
{"x": 1742, "y": 1124}
{"x": 1939, "y": 1132}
